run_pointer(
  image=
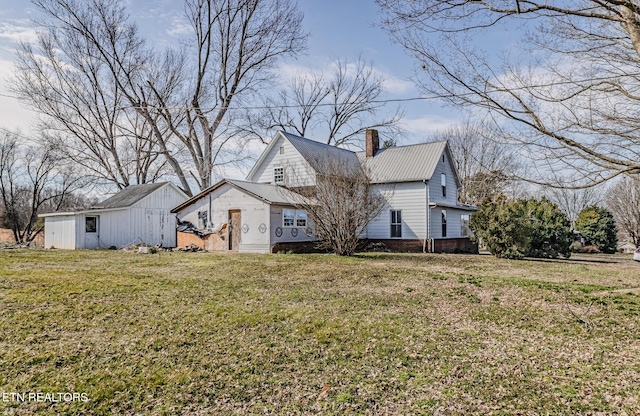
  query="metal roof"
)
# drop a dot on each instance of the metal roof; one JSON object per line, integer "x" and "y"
{"x": 403, "y": 163}
{"x": 316, "y": 153}
{"x": 396, "y": 164}
{"x": 273, "y": 194}
{"x": 129, "y": 195}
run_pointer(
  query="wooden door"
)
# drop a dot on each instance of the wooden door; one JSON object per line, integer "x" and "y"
{"x": 235, "y": 230}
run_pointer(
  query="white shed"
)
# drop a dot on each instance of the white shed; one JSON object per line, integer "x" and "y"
{"x": 136, "y": 214}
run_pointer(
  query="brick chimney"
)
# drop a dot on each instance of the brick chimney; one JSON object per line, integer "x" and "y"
{"x": 373, "y": 143}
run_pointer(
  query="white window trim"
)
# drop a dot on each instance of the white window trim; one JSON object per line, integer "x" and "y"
{"x": 392, "y": 224}
{"x": 275, "y": 180}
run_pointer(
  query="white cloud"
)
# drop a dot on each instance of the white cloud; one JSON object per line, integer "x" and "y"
{"x": 395, "y": 85}
{"x": 423, "y": 127}
{"x": 14, "y": 115}
{"x": 179, "y": 27}
{"x": 14, "y": 30}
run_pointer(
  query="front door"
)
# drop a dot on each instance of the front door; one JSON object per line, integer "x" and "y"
{"x": 235, "y": 230}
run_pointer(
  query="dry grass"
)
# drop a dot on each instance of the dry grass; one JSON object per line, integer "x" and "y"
{"x": 192, "y": 333}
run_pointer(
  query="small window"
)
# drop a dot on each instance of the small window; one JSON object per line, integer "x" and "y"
{"x": 301, "y": 218}
{"x": 465, "y": 230}
{"x": 91, "y": 224}
{"x": 443, "y": 182}
{"x": 444, "y": 223}
{"x": 443, "y": 158}
{"x": 278, "y": 175}
{"x": 281, "y": 150}
{"x": 288, "y": 217}
{"x": 396, "y": 224}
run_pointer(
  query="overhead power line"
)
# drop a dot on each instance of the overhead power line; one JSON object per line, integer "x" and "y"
{"x": 387, "y": 100}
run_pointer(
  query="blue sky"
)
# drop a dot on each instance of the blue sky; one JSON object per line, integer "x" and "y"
{"x": 338, "y": 29}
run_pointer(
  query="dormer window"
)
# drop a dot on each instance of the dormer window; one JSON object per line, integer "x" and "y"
{"x": 278, "y": 175}
{"x": 281, "y": 150}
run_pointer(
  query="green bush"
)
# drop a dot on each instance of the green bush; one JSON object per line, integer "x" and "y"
{"x": 598, "y": 227}
{"x": 519, "y": 228}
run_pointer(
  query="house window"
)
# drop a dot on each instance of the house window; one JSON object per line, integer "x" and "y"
{"x": 465, "y": 230}
{"x": 294, "y": 218}
{"x": 396, "y": 224}
{"x": 443, "y": 158}
{"x": 301, "y": 218}
{"x": 443, "y": 182}
{"x": 444, "y": 223}
{"x": 288, "y": 217}
{"x": 91, "y": 224}
{"x": 278, "y": 175}
{"x": 281, "y": 150}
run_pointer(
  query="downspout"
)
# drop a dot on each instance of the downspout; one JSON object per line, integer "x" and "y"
{"x": 209, "y": 223}
{"x": 428, "y": 211}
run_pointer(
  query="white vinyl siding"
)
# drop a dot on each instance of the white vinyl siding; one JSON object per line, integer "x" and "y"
{"x": 408, "y": 197}
{"x": 454, "y": 225}
{"x": 296, "y": 171}
{"x": 439, "y": 181}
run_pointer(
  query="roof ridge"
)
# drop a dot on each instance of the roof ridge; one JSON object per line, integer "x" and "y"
{"x": 315, "y": 142}
{"x": 407, "y": 145}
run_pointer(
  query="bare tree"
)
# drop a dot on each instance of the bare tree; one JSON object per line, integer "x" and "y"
{"x": 341, "y": 204}
{"x": 568, "y": 91}
{"x": 623, "y": 201}
{"x": 31, "y": 179}
{"x": 183, "y": 103}
{"x": 572, "y": 201}
{"x": 485, "y": 164}
{"x": 340, "y": 106}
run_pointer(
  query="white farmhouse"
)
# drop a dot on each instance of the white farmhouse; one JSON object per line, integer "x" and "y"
{"x": 419, "y": 182}
{"x": 136, "y": 214}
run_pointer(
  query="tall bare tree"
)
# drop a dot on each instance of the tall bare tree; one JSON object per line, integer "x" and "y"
{"x": 182, "y": 98}
{"x": 485, "y": 164}
{"x": 339, "y": 106}
{"x": 568, "y": 90}
{"x": 623, "y": 201}
{"x": 31, "y": 179}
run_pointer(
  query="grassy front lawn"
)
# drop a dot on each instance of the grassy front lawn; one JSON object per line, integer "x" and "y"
{"x": 194, "y": 333}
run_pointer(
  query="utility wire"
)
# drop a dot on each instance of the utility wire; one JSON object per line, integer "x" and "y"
{"x": 383, "y": 101}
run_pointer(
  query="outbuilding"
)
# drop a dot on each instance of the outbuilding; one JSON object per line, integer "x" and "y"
{"x": 138, "y": 214}
{"x": 242, "y": 216}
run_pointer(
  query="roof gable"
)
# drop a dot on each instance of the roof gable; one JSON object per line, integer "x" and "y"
{"x": 271, "y": 194}
{"x": 130, "y": 195}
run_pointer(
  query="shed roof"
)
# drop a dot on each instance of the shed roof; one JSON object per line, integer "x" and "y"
{"x": 129, "y": 195}
{"x": 272, "y": 194}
